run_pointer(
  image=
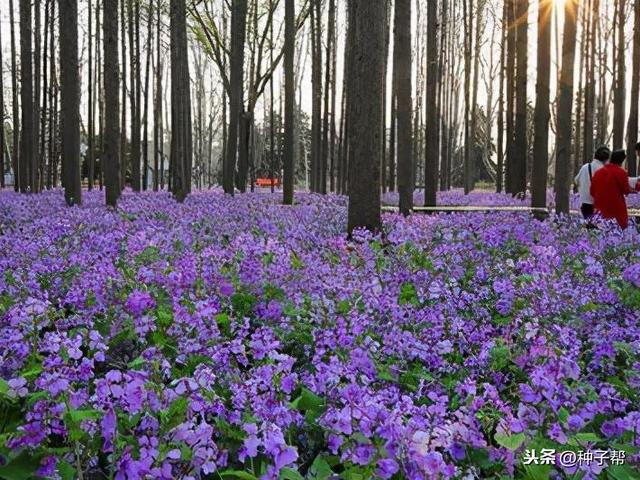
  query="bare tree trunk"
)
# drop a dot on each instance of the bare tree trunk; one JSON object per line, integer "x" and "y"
{"x": 35, "y": 164}
{"x": 565, "y": 102}
{"x": 238, "y": 30}
{"x": 2, "y": 139}
{"x": 70, "y": 101}
{"x": 289, "y": 100}
{"x": 632, "y": 125}
{"x": 402, "y": 74}
{"x": 145, "y": 141}
{"x": 500, "y": 141}
{"x": 26, "y": 93}
{"x": 123, "y": 128}
{"x": 511, "y": 94}
{"x": 53, "y": 107}
{"x": 316, "y": 87}
{"x": 590, "y": 88}
{"x": 111, "y": 155}
{"x": 367, "y": 18}
{"x": 158, "y": 137}
{"x": 542, "y": 112}
{"x": 519, "y": 170}
{"x": 181, "y": 140}
{"x": 432, "y": 148}
{"x": 91, "y": 117}
{"x": 327, "y": 97}
{"x": 15, "y": 155}
{"x": 619, "y": 89}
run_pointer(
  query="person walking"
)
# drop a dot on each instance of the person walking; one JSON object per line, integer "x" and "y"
{"x": 584, "y": 177}
{"x": 609, "y": 187}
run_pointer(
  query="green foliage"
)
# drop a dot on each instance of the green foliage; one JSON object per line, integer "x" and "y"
{"x": 408, "y": 295}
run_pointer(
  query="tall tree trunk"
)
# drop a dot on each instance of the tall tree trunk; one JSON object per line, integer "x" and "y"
{"x": 542, "y": 111}
{"x": 111, "y": 154}
{"x": 90, "y": 120}
{"x": 316, "y": 88}
{"x": 289, "y": 100}
{"x": 475, "y": 147}
{"x": 467, "y": 18}
{"x": 521, "y": 150}
{"x": 432, "y": 148}
{"x": 367, "y": 18}
{"x": 15, "y": 153}
{"x": 565, "y": 102}
{"x": 181, "y": 140}
{"x": 2, "y": 139}
{"x": 145, "y": 141}
{"x": 590, "y": 87}
{"x": 402, "y": 73}
{"x": 53, "y": 105}
{"x": 327, "y": 98}
{"x": 123, "y": 127}
{"x": 158, "y": 137}
{"x": 500, "y": 141}
{"x": 619, "y": 90}
{"x": 26, "y": 94}
{"x": 35, "y": 163}
{"x": 70, "y": 101}
{"x": 238, "y": 30}
{"x": 511, "y": 93}
{"x": 632, "y": 125}
{"x": 134, "y": 92}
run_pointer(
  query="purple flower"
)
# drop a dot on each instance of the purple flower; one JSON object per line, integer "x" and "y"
{"x": 138, "y": 302}
{"x": 386, "y": 468}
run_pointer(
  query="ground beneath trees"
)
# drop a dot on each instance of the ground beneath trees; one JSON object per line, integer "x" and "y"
{"x": 236, "y": 338}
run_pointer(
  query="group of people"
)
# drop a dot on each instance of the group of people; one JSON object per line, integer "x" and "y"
{"x": 603, "y": 185}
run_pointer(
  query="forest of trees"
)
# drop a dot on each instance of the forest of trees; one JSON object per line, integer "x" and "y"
{"x": 360, "y": 97}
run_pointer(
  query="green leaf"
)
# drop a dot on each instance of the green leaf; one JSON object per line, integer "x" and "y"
{"x": 21, "y": 467}
{"x": 584, "y": 437}
{"x": 320, "y": 469}
{"x": 81, "y": 415}
{"x": 622, "y": 472}
{"x": 563, "y": 415}
{"x": 66, "y": 471}
{"x": 4, "y": 387}
{"x": 408, "y": 294}
{"x": 511, "y": 442}
{"x": 237, "y": 474}
{"x": 290, "y": 474}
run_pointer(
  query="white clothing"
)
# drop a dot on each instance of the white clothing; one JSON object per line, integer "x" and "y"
{"x": 583, "y": 181}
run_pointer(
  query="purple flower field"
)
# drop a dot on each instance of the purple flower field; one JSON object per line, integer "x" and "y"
{"x": 234, "y": 338}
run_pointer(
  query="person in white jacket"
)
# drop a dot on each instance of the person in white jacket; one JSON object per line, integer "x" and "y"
{"x": 584, "y": 177}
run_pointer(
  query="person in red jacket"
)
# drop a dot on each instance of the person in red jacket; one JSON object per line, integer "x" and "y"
{"x": 609, "y": 187}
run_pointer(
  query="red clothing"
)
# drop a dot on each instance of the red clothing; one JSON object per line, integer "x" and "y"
{"x": 609, "y": 186}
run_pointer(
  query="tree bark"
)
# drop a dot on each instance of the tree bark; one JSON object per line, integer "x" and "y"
{"x": 111, "y": 154}
{"x": 519, "y": 164}
{"x": 402, "y": 73}
{"x": 26, "y": 97}
{"x": 238, "y": 31}
{"x": 15, "y": 154}
{"x": 181, "y": 140}
{"x": 432, "y": 147}
{"x": 289, "y": 101}
{"x": 565, "y": 103}
{"x": 632, "y": 125}
{"x": 2, "y": 139}
{"x": 619, "y": 90}
{"x": 70, "y": 101}
{"x": 158, "y": 137}
{"x": 367, "y": 17}
{"x": 542, "y": 112}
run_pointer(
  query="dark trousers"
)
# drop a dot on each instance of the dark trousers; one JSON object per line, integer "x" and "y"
{"x": 587, "y": 210}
